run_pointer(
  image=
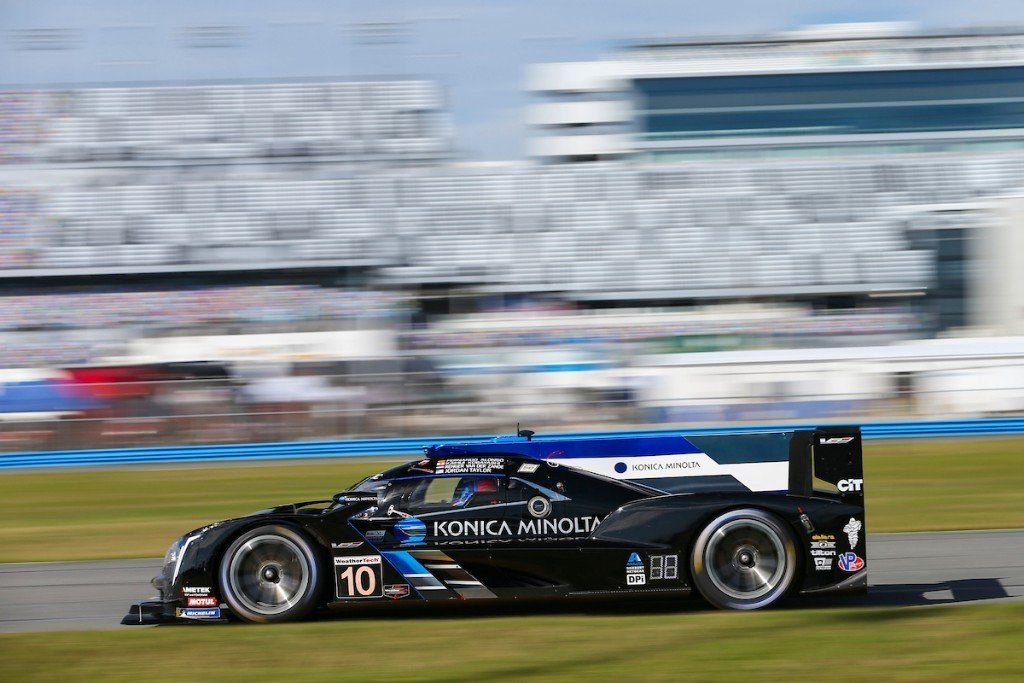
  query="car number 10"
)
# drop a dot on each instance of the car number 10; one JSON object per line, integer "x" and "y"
{"x": 359, "y": 577}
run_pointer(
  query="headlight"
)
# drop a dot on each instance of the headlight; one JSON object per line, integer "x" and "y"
{"x": 172, "y": 553}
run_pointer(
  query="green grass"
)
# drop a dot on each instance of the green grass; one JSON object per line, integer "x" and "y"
{"x": 136, "y": 512}
{"x": 979, "y": 642}
{"x": 934, "y": 485}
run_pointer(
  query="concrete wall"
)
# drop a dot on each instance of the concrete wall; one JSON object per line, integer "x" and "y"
{"x": 998, "y": 291}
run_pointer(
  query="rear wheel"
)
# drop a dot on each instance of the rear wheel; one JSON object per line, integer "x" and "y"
{"x": 744, "y": 559}
{"x": 270, "y": 574}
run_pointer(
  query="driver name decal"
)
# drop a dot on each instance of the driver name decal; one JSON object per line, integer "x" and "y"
{"x": 469, "y": 465}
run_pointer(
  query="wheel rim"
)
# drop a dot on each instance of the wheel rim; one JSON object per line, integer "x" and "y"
{"x": 745, "y": 559}
{"x": 268, "y": 574}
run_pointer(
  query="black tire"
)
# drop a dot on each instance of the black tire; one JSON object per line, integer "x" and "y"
{"x": 270, "y": 574}
{"x": 744, "y": 559}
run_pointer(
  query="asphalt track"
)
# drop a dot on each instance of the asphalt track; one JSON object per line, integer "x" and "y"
{"x": 904, "y": 570}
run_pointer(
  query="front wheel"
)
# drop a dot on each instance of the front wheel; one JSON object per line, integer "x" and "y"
{"x": 270, "y": 574}
{"x": 744, "y": 559}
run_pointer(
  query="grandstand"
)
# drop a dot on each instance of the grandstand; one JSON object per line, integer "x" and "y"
{"x": 181, "y": 308}
{"x": 356, "y": 178}
{"x": 394, "y": 122}
{"x": 708, "y": 229}
{"x": 704, "y": 329}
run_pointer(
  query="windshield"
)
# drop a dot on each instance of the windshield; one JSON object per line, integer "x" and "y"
{"x": 377, "y": 481}
{"x": 421, "y": 495}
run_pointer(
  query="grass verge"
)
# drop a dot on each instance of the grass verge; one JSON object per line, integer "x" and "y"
{"x": 980, "y": 642}
{"x": 137, "y": 511}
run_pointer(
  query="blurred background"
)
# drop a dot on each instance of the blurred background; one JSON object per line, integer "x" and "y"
{"x": 271, "y": 222}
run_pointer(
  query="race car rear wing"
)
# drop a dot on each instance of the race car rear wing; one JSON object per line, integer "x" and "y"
{"x": 827, "y": 461}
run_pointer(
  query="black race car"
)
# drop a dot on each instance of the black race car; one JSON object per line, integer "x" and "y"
{"x": 743, "y": 519}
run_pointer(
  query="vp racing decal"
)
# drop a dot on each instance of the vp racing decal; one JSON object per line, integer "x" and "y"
{"x": 851, "y": 562}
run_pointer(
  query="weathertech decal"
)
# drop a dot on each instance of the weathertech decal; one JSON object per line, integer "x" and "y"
{"x": 360, "y": 559}
{"x": 358, "y": 577}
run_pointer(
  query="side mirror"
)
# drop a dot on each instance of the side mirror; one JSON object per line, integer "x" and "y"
{"x": 354, "y": 497}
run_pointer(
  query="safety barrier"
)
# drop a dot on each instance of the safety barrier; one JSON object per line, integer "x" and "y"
{"x": 409, "y": 447}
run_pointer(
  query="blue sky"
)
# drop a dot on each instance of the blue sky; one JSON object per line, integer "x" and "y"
{"x": 478, "y": 50}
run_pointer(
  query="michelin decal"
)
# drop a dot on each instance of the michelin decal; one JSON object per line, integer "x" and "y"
{"x": 197, "y": 613}
{"x": 852, "y": 531}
